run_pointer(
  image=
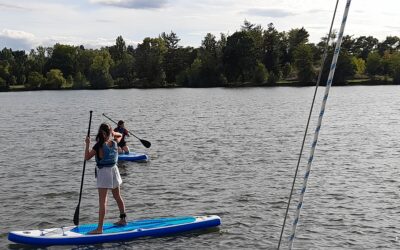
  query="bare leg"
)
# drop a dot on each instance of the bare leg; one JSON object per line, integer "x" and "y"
{"x": 126, "y": 149}
{"x": 121, "y": 205}
{"x": 120, "y": 150}
{"x": 102, "y": 210}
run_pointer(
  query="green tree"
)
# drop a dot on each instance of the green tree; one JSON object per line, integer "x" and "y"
{"x": 396, "y": 69}
{"x": 359, "y": 65}
{"x": 239, "y": 57}
{"x": 13, "y": 80}
{"x": 364, "y": 45}
{"x": 211, "y": 67}
{"x": 295, "y": 38}
{"x": 171, "y": 40}
{"x": 18, "y": 66}
{"x": 391, "y": 64}
{"x": 385, "y": 59}
{"x": 37, "y": 60}
{"x": 220, "y": 46}
{"x": 174, "y": 61}
{"x": 260, "y": 73}
{"x": 80, "y": 81}
{"x": 348, "y": 45}
{"x": 35, "y": 80}
{"x": 194, "y": 74}
{"x": 255, "y": 32}
{"x": 55, "y": 79}
{"x": 396, "y": 76}
{"x": 63, "y": 57}
{"x": 209, "y": 44}
{"x": 185, "y": 57}
{"x": 119, "y": 50}
{"x": 304, "y": 64}
{"x": 3, "y": 84}
{"x": 84, "y": 61}
{"x": 6, "y": 60}
{"x": 122, "y": 70}
{"x": 204, "y": 66}
{"x": 319, "y": 49}
{"x": 5, "y": 72}
{"x": 344, "y": 68}
{"x": 390, "y": 44}
{"x": 6, "y": 55}
{"x": 272, "y": 48}
{"x": 374, "y": 64}
{"x": 99, "y": 76}
{"x": 149, "y": 62}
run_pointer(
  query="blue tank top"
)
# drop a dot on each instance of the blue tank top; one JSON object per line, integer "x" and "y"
{"x": 110, "y": 156}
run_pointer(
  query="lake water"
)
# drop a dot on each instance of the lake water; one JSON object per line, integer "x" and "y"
{"x": 229, "y": 152}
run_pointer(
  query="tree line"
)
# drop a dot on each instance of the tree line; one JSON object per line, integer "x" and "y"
{"x": 252, "y": 56}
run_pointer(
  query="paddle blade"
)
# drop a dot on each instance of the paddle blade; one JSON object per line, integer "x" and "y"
{"x": 145, "y": 143}
{"x": 76, "y": 216}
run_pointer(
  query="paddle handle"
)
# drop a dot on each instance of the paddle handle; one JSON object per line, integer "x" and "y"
{"x": 145, "y": 143}
{"x": 76, "y": 215}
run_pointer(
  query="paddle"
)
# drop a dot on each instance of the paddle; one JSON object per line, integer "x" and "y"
{"x": 145, "y": 143}
{"x": 76, "y": 215}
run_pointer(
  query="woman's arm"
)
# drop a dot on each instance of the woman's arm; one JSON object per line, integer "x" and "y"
{"x": 117, "y": 136}
{"x": 88, "y": 153}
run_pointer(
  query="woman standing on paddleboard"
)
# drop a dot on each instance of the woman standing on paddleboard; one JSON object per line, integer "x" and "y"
{"x": 106, "y": 154}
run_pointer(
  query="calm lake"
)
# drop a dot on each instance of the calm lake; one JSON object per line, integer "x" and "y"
{"x": 228, "y": 152}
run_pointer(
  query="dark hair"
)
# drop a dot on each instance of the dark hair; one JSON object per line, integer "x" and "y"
{"x": 120, "y": 122}
{"x": 104, "y": 132}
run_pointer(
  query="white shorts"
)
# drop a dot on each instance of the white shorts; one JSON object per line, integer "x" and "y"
{"x": 108, "y": 177}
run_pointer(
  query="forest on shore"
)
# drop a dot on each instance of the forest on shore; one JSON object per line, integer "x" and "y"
{"x": 252, "y": 56}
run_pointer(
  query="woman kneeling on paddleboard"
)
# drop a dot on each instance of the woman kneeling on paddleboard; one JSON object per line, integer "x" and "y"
{"x": 106, "y": 154}
{"x": 123, "y": 148}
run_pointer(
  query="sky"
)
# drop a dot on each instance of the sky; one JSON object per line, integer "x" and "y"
{"x": 26, "y": 24}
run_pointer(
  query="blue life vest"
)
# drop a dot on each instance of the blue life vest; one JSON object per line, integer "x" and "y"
{"x": 110, "y": 156}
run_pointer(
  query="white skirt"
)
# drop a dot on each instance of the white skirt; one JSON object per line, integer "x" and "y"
{"x": 108, "y": 177}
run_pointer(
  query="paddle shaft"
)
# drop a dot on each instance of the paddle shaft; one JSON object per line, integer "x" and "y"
{"x": 145, "y": 143}
{"x": 76, "y": 215}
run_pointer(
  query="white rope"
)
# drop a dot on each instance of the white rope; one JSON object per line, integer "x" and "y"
{"x": 321, "y": 115}
{"x": 323, "y": 59}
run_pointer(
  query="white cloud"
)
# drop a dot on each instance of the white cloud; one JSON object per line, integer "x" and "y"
{"x": 21, "y": 40}
{"x": 133, "y": 4}
{"x": 87, "y": 43}
{"x": 269, "y": 12}
{"x": 17, "y": 34}
{"x": 12, "y": 6}
{"x": 98, "y": 22}
{"x": 17, "y": 40}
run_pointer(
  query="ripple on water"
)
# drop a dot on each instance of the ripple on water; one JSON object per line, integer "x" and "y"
{"x": 231, "y": 152}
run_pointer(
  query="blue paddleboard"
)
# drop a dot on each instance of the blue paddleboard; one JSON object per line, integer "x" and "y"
{"x": 78, "y": 235}
{"x": 132, "y": 156}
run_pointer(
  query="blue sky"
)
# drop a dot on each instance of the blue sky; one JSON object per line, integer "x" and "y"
{"x": 26, "y": 24}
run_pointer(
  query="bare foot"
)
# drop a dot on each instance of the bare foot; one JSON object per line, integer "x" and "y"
{"x": 96, "y": 231}
{"x": 121, "y": 222}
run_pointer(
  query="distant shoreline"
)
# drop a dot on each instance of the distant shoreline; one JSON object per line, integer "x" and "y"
{"x": 295, "y": 84}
